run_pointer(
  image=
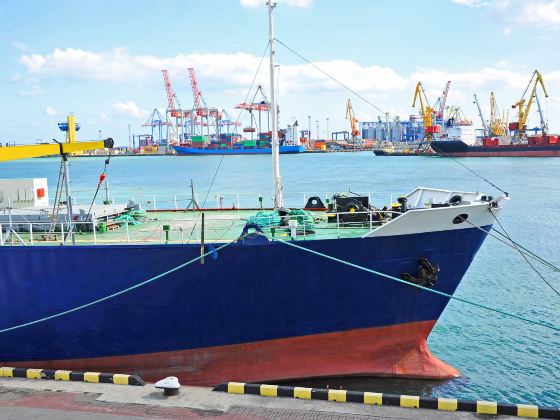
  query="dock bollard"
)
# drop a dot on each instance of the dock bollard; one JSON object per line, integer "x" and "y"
{"x": 170, "y": 386}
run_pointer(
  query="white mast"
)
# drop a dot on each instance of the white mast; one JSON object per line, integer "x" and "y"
{"x": 276, "y": 179}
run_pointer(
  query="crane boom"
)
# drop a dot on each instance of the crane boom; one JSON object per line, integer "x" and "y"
{"x": 51, "y": 149}
{"x": 444, "y": 98}
{"x": 484, "y": 126}
{"x": 353, "y": 120}
{"x": 524, "y": 109}
{"x": 170, "y": 95}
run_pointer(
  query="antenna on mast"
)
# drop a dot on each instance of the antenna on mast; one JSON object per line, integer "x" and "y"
{"x": 276, "y": 179}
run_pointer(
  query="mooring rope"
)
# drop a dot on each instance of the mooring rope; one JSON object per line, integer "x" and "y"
{"x": 527, "y": 259}
{"x": 514, "y": 245}
{"x": 120, "y": 292}
{"x": 396, "y": 279}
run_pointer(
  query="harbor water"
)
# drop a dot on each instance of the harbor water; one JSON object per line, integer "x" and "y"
{"x": 500, "y": 358}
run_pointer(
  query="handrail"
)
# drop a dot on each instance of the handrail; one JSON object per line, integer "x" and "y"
{"x": 239, "y": 200}
{"x": 32, "y": 233}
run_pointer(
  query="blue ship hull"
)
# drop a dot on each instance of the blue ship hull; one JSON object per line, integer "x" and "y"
{"x": 220, "y": 321}
{"x": 193, "y": 151}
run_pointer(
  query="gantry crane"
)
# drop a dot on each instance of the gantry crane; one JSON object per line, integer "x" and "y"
{"x": 354, "y": 132}
{"x": 262, "y": 106}
{"x": 524, "y": 106}
{"x": 427, "y": 112}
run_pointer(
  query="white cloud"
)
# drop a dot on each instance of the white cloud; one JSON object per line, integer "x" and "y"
{"x": 130, "y": 109}
{"x": 471, "y": 3}
{"x": 20, "y": 45}
{"x": 228, "y": 71}
{"x": 291, "y": 3}
{"x": 542, "y": 13}
{"x": 49, "y": 110}
{"x": 35, "y": 90}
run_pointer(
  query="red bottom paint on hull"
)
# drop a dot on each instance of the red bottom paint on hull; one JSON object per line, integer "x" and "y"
{"x": 398, "y": 351}
{"x": 527, "y": 153}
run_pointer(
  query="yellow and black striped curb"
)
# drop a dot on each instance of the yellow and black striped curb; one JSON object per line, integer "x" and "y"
{"x": 374, "y": 398}
{"x": 71, "y": 375}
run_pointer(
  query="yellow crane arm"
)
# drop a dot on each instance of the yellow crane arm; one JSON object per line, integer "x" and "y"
{"x": 39, "y": 150}
{"x": 538, "y": 79}
{"x": 426, "y": 112}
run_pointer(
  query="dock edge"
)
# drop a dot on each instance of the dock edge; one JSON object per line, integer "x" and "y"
{"x": 374, "y": 398}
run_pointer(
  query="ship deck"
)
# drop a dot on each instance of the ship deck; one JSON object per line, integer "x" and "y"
{"x": 181, "y": 227}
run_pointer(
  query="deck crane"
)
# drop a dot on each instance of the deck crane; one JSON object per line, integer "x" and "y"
{"x": 524, "y": 106}
{"x": 71, "y": 145}
{"x": 427, "y": 112}
{"x": 354, "y": 132}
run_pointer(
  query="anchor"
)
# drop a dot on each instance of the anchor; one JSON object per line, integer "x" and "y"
{"x": 426, "y": 276}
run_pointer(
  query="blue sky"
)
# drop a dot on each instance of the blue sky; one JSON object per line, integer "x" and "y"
{"x": 102, "y": 60}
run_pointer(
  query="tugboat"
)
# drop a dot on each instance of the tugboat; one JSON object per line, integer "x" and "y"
{"x": 240, "y": 302}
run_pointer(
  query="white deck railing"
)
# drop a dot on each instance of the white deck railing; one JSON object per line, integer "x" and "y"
{"x": 179, "y": 231}
{"x": 219, "y": 200}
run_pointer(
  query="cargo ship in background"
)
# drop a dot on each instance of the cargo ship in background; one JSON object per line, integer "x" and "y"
{"x": 234, "y": 144}
{"x": 503, "y": 139}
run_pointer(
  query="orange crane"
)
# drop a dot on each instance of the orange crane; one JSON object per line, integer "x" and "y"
{"x": 353, "y": 121}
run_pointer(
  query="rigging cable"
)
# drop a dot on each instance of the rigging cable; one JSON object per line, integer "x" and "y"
{"x": 253, "y": 82}
{"x": 332, "y": 78}
{"x": 511, "y": 243}
{"x": 480, "y": 176}
{"x": 121, "y": 292}
{"x": 222, "y": 157}
{"x": 526, "y": 259}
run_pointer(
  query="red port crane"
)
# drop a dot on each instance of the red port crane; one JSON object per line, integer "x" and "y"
{"x": 197, "y": 95}
{"x": 170, "y": 96}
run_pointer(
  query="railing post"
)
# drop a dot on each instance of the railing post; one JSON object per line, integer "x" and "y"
{"x": 337, "y": 226}
{"x": 237, "y": 199}
{"x": 175, "y": 198}
{"x": 62, "y": 233}
{"x": 304, "y": 199}
{"x": 31, "y": 233}
{"x": 154, "y": 203}
{"x": 127, "y": 237}
{"x": 94, "y": 233}
{"x": 1, "y": 235}
{"x": 370, "y": 220}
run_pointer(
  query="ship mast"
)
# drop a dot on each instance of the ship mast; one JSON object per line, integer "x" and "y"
{"x": 276, "y": 179}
